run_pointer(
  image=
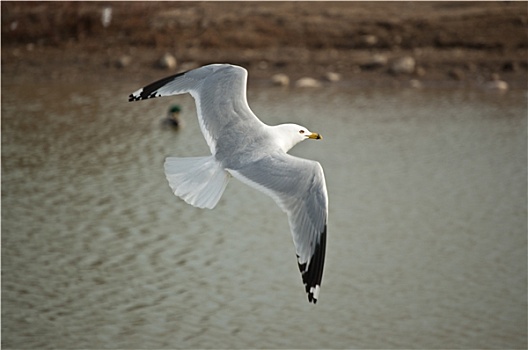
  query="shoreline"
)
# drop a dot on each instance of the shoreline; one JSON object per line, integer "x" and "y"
{"x": 459, "y": 45}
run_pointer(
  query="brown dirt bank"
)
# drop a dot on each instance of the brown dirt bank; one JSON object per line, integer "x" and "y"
{"x": 451, "y": 43}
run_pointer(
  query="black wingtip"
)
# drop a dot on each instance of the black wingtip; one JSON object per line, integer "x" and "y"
{"x": 151, "y": 90}
{"x": 311, "y": 298}
{"x": 313, "y": 276}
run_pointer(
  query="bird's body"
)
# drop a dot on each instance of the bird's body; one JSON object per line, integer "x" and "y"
{"x": 245, "y": 148}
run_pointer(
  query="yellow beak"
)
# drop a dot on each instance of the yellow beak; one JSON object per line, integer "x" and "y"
{"x": 315, "y": 136}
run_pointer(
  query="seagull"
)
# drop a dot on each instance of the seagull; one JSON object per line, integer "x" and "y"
{"x": 255, "y": 153}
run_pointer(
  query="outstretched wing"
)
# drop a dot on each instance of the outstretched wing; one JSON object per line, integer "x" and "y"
{"x": 298, "y": 186}
{"x": 219, "y": 91}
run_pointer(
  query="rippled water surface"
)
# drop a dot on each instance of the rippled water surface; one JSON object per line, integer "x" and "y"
{"x": 426, "y": 239}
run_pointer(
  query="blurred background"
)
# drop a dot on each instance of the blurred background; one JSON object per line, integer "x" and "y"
{"x": 456, "y": 43}
{"x": 423, "y": 109}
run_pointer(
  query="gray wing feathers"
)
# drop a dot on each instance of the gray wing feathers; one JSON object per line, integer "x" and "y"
{"x": 177, "y": 84}
{"x": 219, "y": 91}
{"x": 298, "y": 186}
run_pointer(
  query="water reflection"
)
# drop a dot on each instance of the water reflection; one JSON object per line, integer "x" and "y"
{"x": 427, "y": 232}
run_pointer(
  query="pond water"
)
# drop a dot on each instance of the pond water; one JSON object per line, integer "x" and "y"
{"x": 426, "y": 238}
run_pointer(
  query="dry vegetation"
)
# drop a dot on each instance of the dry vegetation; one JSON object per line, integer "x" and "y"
{"x": 463, "y": 43}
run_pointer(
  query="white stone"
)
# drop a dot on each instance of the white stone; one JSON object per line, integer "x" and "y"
{"x": 307, "y": 82}
{"x": 403, "y": 65}
{"x": 332, "y": 76}
{"x": 167, "y": 61}
{"x": 280, "y": 79}
{"x": 498, "y": 85}
{"x": 123, "y": 61}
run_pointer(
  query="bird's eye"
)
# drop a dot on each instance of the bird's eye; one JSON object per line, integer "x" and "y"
{"x": 301, "y": 131}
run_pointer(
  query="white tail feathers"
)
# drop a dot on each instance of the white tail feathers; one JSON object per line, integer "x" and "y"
{"x": 200, "y": 181}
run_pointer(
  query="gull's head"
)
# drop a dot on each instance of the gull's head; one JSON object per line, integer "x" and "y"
{"x": 288, "y": 135}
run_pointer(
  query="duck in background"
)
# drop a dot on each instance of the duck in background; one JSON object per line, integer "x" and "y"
{"x": 173, "y": 118}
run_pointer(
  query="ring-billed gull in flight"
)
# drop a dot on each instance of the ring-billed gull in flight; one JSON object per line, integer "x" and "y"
{"x": 244, "y": 147}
